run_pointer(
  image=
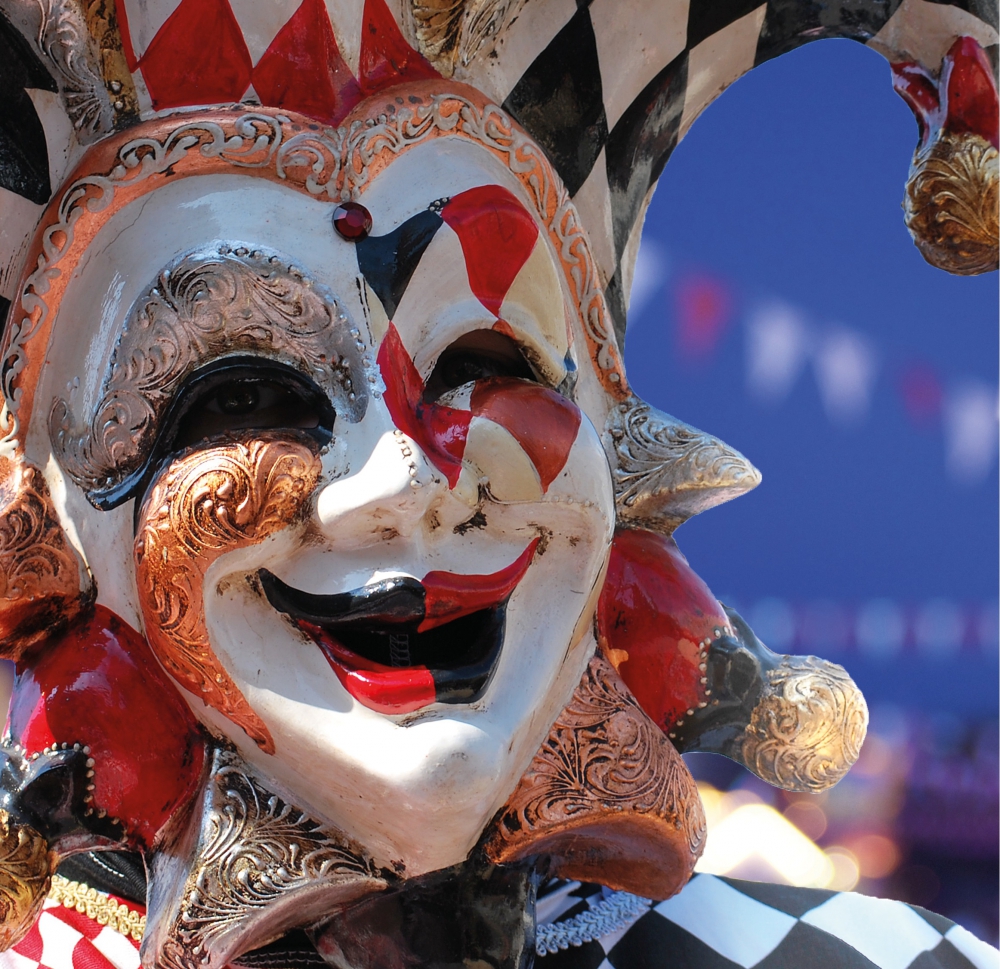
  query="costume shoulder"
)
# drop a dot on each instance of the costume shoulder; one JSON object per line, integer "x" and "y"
{"x": 723, "y": 923}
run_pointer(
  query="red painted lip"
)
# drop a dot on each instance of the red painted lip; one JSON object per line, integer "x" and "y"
{"x": 384, "y": 689}
{"x": 449, "y": 596}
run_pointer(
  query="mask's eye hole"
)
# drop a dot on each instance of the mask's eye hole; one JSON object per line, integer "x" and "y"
{"x": 242, "y": 398}
{"x": 476, "y": 356}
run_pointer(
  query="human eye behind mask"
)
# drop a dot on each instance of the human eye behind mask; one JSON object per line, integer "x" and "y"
{"x": 478, "y": 355}
{"x": 236, "y": 398}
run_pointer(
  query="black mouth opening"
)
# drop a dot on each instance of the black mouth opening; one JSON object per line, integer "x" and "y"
{"x": 379, "y": 623}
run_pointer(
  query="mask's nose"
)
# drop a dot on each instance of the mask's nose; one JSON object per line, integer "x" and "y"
{"x": 391, "y": 495}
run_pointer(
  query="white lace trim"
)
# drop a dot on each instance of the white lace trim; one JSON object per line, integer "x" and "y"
{"x": 613, "y": 913}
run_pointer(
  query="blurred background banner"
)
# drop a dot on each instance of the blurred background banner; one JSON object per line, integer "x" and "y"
{"x": 779, "y": 303}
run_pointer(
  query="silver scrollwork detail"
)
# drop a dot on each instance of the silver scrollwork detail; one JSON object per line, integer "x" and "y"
{"x": 259, "y": 865}
{"x": 251, "y": 143}
{"x": 58, "y": 30}
{"x": 207, "y": 305}
{"x": 806, "y": 731}
{"x": 665, "y": 471}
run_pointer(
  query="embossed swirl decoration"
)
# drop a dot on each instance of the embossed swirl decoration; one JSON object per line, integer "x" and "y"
{"x": 206, "y": 306}
{"x": 206, "y": 503}
{"x": 607, "y": 796}
{"x": 807, "y": 729}
{"x": 40, "y": 572}
{"x": 328, "y": 162}
{"x": 25, "y": 873}
{"x": 667, "y": 470}
{"x": 117, "y": 174}
{"x": 253, "y": 850}
{"x": 951, "y": 204}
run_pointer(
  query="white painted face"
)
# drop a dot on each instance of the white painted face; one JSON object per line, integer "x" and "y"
{"x": 369, "y": 505}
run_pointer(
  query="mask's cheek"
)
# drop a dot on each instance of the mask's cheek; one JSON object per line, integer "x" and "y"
{"x": 206, "y": 503}
{"x": 43, "y": 583}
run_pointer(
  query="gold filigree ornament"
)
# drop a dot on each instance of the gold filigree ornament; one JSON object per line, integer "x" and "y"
{"x": 26, "y": 866}
{"x": 607, "y": 797}
{"x": 806, "y": 731}
{"x": 951, "y": 203}
{"x": 99, "y": 906}
{"x": 206, "y": 502}
{"x": 666, "y": 470}
{"x": 452, "y": 33}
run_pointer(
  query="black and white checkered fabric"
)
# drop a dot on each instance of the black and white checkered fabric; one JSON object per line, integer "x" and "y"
{"x": 723, "y": 923}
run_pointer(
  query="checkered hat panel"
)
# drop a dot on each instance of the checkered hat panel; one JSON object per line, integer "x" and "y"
{"x": 610, "y": 96}
{"x": 721, "y": 923}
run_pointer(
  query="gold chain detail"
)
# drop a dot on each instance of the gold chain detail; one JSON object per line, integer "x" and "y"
{"x": 99, "y": 906}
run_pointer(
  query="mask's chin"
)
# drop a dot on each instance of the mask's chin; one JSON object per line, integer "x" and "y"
{"x": 247, "y": 878}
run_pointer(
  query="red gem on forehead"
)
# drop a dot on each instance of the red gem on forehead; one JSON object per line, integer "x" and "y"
{"x": 352, "y": 220}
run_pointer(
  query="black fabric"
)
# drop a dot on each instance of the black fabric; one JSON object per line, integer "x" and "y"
{"x": 587, "y": 890}
{"x": 291, "y": 951}
{"x": 387, "y": 262}
{"x": 640, "y": 144}
{"x": 588, "y": 956}
{"x": 805, "y": 945}
{"x": 785, "y": 898}
{"x": 24, "y": 158}
{"x": 574, "y": 910}
{"x": 943, "y": 956}
{"x": 791, "y": 23}
{"x": 656, "y": 943}
{"x": 120, "y": 873}
{"x": 559, "y": 101}
{"x": 707, "y": 17}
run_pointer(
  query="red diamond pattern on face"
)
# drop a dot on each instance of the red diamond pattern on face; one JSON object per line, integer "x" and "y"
{"x": 302, "y": 69}
{"x": 197, "y": 57}
{"x": 497, "y": 236}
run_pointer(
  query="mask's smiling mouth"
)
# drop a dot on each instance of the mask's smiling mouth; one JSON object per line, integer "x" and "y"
{"x": 400, "y": 644}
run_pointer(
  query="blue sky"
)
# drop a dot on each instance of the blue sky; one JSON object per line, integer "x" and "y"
{"x": 788, "y": 189}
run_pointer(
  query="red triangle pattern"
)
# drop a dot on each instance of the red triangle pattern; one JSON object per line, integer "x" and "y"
{"x": 483, "y": 217}
{"x": 303, "y": 71}
{"x": 386, "y": 58}
{"x": 199, "y": 56}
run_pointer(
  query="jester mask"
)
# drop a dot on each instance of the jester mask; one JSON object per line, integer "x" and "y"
{"x": 338, "y": 559}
